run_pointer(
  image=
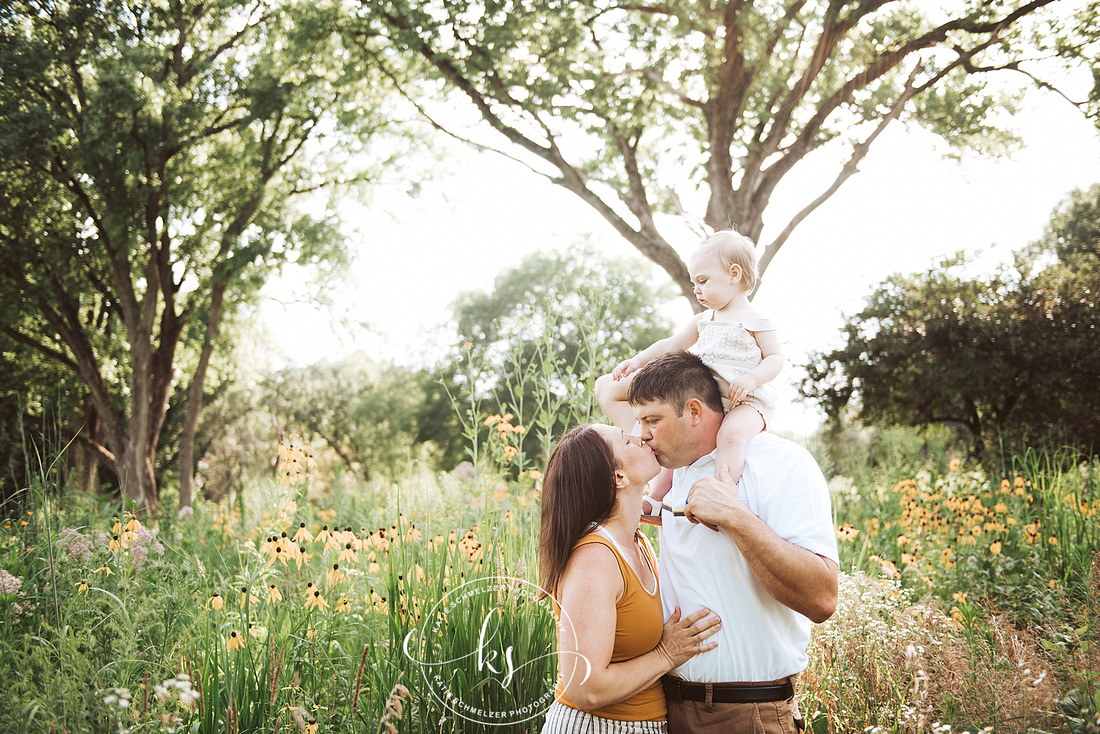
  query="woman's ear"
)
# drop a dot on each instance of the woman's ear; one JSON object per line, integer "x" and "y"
{"x": 620, "y": 479}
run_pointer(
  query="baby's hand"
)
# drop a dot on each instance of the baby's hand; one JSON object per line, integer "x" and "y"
{"x": 740, "y": 387}
{"x": 625, "y": 368}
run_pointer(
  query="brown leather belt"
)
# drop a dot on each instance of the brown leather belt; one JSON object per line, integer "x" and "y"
{"x": 726, "y": 693}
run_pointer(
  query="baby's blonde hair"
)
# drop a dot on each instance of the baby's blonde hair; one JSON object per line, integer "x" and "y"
{"x": 732, "y": 249}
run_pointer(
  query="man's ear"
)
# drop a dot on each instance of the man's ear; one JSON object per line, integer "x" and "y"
{"x": 694, "y": 411}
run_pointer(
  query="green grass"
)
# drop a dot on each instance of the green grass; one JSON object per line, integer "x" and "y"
{"x": 967, "y": 604}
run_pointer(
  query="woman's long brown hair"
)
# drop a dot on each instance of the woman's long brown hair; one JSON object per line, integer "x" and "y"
{"x": 578, "y": 489}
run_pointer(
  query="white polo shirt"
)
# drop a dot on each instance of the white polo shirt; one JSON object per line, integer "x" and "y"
{"x": 760, "y": 639}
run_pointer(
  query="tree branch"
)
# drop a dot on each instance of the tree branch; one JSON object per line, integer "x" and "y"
{"x": 22, "y": 338}
{"x": 859, "y": 151}
{"x": 659, "y": 81}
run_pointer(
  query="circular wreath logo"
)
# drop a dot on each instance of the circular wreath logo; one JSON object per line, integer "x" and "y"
{"x": 486, "y": 651}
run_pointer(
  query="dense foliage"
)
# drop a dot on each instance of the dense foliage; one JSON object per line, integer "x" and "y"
{"x": 1010, "y": 357}
{"x": 147, "y": 158}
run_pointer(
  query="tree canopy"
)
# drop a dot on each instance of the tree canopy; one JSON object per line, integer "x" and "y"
{"x": 147, "y": 159}
{"x": 1009, "y": 356}
{"x": 621, "y": 104}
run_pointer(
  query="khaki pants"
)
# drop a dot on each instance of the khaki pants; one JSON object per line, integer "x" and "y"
{"x": 699, "y": 717}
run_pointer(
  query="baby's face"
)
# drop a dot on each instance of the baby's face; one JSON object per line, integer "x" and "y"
{"x": 714, "y": 285}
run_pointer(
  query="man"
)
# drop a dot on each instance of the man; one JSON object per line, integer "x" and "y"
{"x": 760, "y": 554}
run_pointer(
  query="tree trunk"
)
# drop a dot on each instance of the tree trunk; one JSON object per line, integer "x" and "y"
{"x": 194, "y": 402}
{"x": 86, "y": 458}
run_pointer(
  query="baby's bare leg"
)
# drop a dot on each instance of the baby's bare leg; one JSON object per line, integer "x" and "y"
{"x": 651, "y": 500}
{"x": 611, "y": 396}
{"x": 740, "y": 424}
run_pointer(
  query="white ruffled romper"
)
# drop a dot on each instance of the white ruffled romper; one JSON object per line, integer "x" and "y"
{"x": 729, "y": 349}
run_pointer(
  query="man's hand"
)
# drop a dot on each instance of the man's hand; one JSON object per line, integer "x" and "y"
{"x": 714, "y": 502}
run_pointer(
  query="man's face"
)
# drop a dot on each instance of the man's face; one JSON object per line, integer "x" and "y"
{"x": 671, "y": 436}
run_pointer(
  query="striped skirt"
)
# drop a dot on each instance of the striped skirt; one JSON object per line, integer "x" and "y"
{"x": 561, "y": 719}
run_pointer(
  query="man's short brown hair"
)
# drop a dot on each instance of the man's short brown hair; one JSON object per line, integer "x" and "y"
{"x": 674, "y": 378}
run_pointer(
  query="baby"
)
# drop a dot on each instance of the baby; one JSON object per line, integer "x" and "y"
{"x": 732, "y": 338}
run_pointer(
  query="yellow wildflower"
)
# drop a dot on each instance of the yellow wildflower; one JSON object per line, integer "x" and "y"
{"x": 946, "y": 558}
{"x": 246, "y": 597}
{"x": 510, "y": 452}
{"x": 215, "y": 601}
{"x": 273, "y": 594}
{"x": 348, "y": 555}
{"x": 311, "y": 633}
{"x": 132, "y": 525}
{"x": 278, "y": 553}
{"x": 317, "y": 601}
{"x": 959, "y": 596}
{"x": 995, "y": 549}
{"x": 104, "y": 569}
{"x": 343, "y": 605}
{"x": 82, "y": 587}
{"x": 303, "y": 535}
{"x": 301, "y": 558}
{"x": 333, "y": 541}
{"x": 954, "y": 465}
{"x": 335, "y": 576}
{"x": 235, "y": 641}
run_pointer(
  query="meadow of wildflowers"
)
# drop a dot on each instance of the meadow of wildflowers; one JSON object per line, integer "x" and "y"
{"x": 967, "y": 602}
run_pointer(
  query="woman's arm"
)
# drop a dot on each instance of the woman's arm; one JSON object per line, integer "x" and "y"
{"x": 589, "y": 589}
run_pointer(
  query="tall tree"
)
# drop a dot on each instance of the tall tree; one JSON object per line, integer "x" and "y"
{"x": 147, "y": 157}
{"x": 621, "y": 103}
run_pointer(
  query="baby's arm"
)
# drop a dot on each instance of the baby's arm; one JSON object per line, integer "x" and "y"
{"x": 682, "y": 339}
{"x": 771, "y": 364}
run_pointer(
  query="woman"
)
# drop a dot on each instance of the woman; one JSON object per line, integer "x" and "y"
{"x": 602, "y": 575}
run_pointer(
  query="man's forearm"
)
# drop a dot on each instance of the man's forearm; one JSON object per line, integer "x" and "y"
{"x": 796, "y": 577}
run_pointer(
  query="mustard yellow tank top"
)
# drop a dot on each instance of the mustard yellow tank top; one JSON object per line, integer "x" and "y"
{"x": 639, "y": 622}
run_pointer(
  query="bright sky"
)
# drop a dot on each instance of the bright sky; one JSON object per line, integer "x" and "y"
{"x": 906, "y": 208}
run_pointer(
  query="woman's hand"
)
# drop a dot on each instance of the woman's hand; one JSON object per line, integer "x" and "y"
{"x": 683, "y": 639}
